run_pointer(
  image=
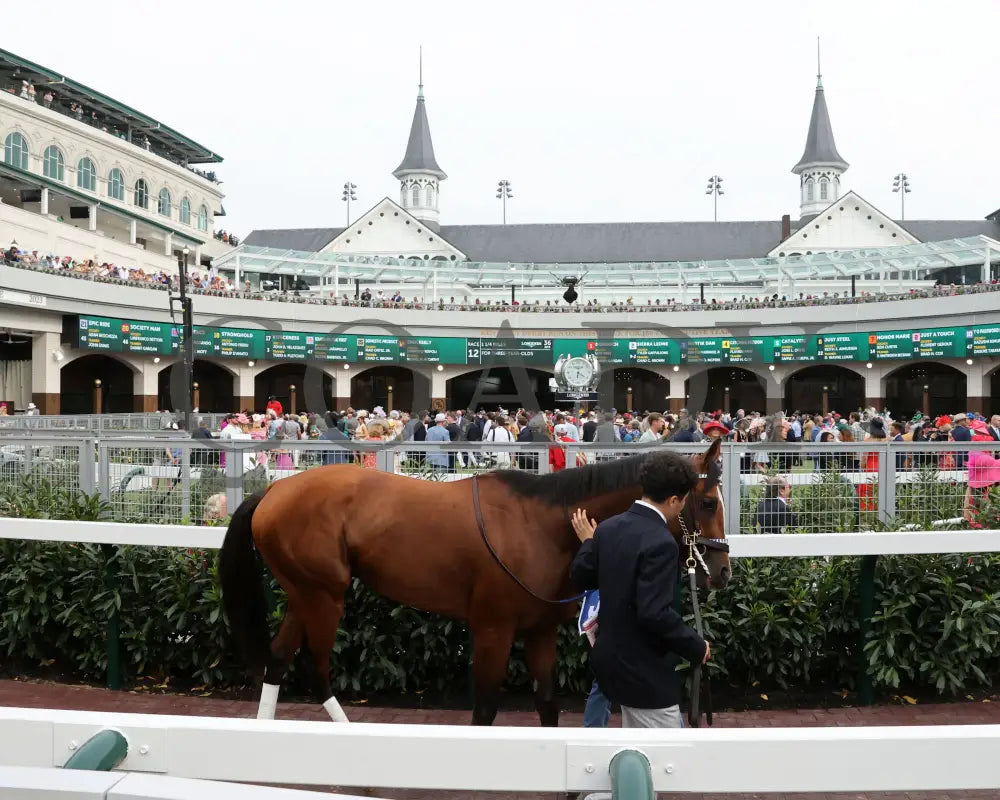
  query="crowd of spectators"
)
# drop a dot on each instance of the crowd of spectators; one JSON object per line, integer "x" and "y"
{"x": 220, "y": 286}
{"x": 52, "y": 100}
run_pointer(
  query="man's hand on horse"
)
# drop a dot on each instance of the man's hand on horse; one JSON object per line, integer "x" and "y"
{"x": 583, "y": 526}
{"x": 708, "y": 653}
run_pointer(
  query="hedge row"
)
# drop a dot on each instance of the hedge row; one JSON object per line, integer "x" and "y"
{"x": 782, "y": 622}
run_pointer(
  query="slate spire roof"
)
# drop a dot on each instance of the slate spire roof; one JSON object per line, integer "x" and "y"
{"x": 419, "y": 155}
{"x": 820, "y": 146}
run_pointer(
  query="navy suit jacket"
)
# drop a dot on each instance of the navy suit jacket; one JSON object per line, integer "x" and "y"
{"x": 633, "y": 560}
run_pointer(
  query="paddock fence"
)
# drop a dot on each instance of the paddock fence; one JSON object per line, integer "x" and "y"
{"x": 835, "y": 487}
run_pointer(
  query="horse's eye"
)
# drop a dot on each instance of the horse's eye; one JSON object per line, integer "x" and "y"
{"x": 708, "y": 504}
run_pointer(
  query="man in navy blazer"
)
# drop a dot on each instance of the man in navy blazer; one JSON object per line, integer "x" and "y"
{"x": 632, "y": 559}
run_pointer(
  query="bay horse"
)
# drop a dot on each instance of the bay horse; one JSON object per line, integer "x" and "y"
{"x": 493, "y": 551}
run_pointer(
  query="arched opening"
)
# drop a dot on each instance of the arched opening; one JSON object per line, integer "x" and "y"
{"x": 991, "y": 404}
{"x": 462, "y": 389}
{"x": 215, "y": 388}
{"x": 930, "y": 387}
{"x": 371, "y": 387}
{"x": 725, "y": 388}
{"x": 15, "y": 371}
{"x": 278, "y": 381}
{"x": 844, "y": 390}
{"x": 76, "y": 392}
{"x": 649, "y": 391}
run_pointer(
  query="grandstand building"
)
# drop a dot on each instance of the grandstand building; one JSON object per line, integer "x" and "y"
{"x": 86, "y": 176}
{"x": 830, "y": 218}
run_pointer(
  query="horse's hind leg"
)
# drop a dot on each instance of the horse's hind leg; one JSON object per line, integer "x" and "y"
{"x": 540, "y": 654}
{"x": 490, "y": 653}
{"x": 321, "y": 624}
{"x": 283, "y": 650}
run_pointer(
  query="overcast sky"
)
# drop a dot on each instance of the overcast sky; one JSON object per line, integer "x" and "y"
{"x": 595, "y": 111}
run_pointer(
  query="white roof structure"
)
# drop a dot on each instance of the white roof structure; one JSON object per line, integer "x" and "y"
{"x": 844, "y": 264}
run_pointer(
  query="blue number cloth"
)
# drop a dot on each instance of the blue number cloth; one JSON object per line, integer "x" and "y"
{"x": 587, "y": 622}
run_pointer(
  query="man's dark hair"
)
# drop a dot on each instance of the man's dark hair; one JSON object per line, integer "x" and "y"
{"x": 664, "y": 475}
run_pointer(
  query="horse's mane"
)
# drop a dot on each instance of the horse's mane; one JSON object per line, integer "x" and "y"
{"x": 574, "y": 485}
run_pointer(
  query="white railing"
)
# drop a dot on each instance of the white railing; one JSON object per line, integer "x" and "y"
{"x": 761, "y": 545}
{"x": 39, "y": 783}
{"x": 449, "y": 757}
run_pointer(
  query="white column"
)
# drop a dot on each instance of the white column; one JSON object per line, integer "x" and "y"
{"x": 342, "y": 388}
{"x": 245, "y": 386}
{"x": 985, "y": 276}
{"x": 45, "y": 201}
{"x": 439, "y": 383}
{"x": 92, "y": 221}
{"x": 45, "y": 375}
{"x": 336, "y": 279}
{"x": 132, "y": 231}
{"x": 436, "y": 295}
{"x": 236, "y": 279}
{"x": 168, "y": 243}
{"x": 197, "y": 254}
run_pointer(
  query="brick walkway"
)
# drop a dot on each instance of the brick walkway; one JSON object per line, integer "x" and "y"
{"x": 88, "y": 698}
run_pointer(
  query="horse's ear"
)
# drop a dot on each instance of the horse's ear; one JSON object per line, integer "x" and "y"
{"x": 713, "y": 451}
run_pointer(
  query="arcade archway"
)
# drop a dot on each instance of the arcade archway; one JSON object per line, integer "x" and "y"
{"x": 638, "y": 389}
{"x": 215, "y": 388}
{"x": 390, "y": 387}
{"x": 823, "y": 388}
{"x": 725, "y": 388}
{"x": 279, "y": 380}
{"x": 462, "y": 389}
{"x": 928, "y": 386}
{"x": 15, "y": 371}
{"x": 76, "y": 386}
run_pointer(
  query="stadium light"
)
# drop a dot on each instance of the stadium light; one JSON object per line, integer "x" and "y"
{"x": 715, "y": 189}
{"x": 504, "y": 193}
{"x": 347, "y": 196}
{"x": 901, "y": 185}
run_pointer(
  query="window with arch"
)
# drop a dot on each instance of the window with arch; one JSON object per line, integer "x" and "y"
{"x": 809, "y": 191}
{"x": 203, "y": 218}
{"x": 402, "y": 195}
{"x": 53, "y": 164}
{"x": 415, "y": 196}
{"x": 141, "y": 194}
{"x": 430, "y": 196}
{"x": 86, "y": 175}
{"x": 163, "y": 202}
{"x": 116, "y": 184}
{"x": 824, "y": 191}
{"x": 185, "y": 215}
{"x": 15, "y": 151}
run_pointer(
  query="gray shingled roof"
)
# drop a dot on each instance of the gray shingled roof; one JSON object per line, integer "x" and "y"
{"x": 419, "y": 149}
{"x": 939, "y": 230}
{"x": 820, "y": 146}
{"x": 614, "y": 241}
{"x": 308, "y": 240}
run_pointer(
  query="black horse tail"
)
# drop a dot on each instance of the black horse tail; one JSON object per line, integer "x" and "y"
{"x": 241, "y": 575}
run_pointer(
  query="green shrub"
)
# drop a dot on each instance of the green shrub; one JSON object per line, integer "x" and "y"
{"x": 782, "y": 623}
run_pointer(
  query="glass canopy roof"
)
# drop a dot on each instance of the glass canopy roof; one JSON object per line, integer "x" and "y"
{"x": 839, "y": 264}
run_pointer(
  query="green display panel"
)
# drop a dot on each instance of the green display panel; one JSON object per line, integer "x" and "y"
{"x": 496, "y": 351}
{"x": 127, "y": 336}
{"x": 608, "y": 351}
{"x": 160, "y": 338}
{"x": 928, "y": 343}
{"x": 983, "y": 340}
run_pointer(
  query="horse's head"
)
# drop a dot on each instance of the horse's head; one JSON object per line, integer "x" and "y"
{"x": 702, "y": 523}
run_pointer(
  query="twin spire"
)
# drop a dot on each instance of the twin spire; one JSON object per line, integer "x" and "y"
{"x": 419, "y": 156}
{"x": 821, "y": 149}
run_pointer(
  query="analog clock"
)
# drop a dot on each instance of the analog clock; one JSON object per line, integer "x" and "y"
{"x": 578, "y": 372}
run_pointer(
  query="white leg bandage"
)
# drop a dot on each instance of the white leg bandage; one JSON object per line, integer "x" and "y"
{"x": 335, "y": 711}
{"x": 268, "y": 701}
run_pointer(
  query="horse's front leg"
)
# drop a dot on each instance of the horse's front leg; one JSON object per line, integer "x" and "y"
{"x": 491, "y": 645}
{"x": 540, "y": 653}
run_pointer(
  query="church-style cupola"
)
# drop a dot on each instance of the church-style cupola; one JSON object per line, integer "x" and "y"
{"x": 419, "y": 174}
{"x": 821, "y": 166}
